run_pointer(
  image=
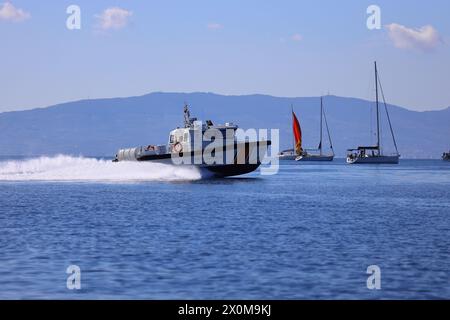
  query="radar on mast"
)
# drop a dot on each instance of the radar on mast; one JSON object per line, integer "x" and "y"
{"x": 188, "y": 121}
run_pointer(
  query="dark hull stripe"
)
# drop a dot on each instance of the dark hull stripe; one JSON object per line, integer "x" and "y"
{"x": 155, "y": 157}
{"x": 232, "y": 169}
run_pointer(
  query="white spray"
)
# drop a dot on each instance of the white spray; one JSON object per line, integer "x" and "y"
{"x": 68, "y": 168}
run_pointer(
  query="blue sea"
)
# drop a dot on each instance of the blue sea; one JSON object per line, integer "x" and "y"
{"x": 155, "y": 232}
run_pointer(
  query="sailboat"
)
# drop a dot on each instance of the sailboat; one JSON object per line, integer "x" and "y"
{"x": 311, "y": 154}
{"x": 300, "y": 154}
{"x": 374, "y": 154}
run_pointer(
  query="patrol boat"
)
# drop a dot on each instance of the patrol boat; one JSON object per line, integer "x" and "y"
{"x": 215, "y": 149}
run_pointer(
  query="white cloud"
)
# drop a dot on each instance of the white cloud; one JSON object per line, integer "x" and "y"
{"x": 297, "y": 37}
{"x": 425, "y": 38}
{"x": 214, "y": 26}
{"x": 10, "y": 13}
{"x": 114, "y": 18}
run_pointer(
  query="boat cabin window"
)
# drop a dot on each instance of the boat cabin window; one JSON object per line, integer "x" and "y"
{"x": 172, "y": 140}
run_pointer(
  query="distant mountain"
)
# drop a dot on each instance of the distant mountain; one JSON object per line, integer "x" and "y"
{"x": 99, "y": 127}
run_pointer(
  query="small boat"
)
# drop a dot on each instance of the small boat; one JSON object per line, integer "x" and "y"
{"x": 446, "y": 156}
{"x": 192, "y": 146}
{"x": 300, "y": 154}
{"x": 374, "y": 154}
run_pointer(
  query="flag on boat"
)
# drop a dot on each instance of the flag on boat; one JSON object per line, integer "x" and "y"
{"x": 297, "y": 134}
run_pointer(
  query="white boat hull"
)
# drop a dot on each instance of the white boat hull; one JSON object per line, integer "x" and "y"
{"x": 374, "y": 160}
{"x": 314, "y": 158}
{"x": 287, "y": 157}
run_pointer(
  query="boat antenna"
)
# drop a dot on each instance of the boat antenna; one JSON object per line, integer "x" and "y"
{"x": 388, "y": 117}
{"x": 187, "y": 116}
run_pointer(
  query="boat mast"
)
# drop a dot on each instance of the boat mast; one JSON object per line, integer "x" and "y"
{"x": 293, "y": 138}
{"x": 378, "y": 112}
{"x": 321, "y": 117}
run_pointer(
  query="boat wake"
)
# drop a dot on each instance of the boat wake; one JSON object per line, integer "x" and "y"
{"x": 68, "y": 168}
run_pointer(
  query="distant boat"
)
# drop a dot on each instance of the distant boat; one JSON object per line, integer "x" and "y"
{"x": 374, "y": 154}
{"x": 446, "y": 156}
{"x": 300, "y": 154}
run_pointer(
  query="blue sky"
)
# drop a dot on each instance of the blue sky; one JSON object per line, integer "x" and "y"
{"x": 282, "y": 48}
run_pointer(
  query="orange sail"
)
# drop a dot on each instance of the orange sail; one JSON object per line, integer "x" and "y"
{"x": 297, "y": 134}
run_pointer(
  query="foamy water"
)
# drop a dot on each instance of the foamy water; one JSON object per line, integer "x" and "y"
{"x": 68, "y": 168}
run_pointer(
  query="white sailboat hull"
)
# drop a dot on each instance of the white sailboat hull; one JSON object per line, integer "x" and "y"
{"x": 374, "y": 160}
{"x": 306, "y": 158}
{"x": 314, "y": 158}
{"x": 288, "y": 156}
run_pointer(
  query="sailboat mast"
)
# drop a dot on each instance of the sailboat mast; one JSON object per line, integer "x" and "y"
{"x": 321, "y": 119}
{"x": 293, "y": 138}
{"x": 377, "y": 104}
